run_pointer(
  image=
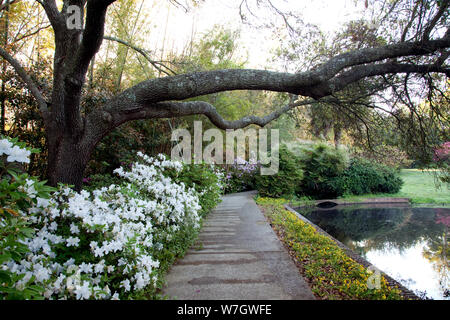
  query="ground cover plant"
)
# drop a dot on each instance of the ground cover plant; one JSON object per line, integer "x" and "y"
{"x": 331, "y": 274}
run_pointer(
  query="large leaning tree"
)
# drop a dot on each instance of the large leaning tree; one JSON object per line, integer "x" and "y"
{"x": 73, "y": 134}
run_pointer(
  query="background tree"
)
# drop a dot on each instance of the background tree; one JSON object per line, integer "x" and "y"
{"x": 72, "y": 133}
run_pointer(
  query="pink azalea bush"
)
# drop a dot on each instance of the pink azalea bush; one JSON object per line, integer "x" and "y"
{"x": 442, "y": 153}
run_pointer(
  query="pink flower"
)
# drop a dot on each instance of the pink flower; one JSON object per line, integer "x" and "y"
{"x": 443, "y": 152}
{"x": 444, "y": 219}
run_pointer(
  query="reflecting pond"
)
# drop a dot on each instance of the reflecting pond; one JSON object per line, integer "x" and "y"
{"x": 409, "y": 244}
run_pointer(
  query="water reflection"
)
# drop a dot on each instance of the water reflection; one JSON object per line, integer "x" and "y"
{"x": 409, "y": 244}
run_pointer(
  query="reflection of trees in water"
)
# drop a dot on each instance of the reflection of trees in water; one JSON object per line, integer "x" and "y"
{"x": 438, "y": 253}
{"x": 384, "y": 229}
{"x": 355, "y": 224}
{"x": 381, "y": 228}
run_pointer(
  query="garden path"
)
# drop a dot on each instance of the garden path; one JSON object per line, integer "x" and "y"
{"x": 237, "y": 256}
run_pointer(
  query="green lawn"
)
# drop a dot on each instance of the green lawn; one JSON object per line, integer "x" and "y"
{"x": 419, "y": 186}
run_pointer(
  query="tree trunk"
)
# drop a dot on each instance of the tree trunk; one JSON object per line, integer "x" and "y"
{"x": 337, "y": 135}
{"x": 3, "y": 89}
{"x": 67, "y": 160}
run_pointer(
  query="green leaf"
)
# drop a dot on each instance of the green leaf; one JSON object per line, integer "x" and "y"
{"x": 4, "y": 277}
{"x": 5, "y": 257}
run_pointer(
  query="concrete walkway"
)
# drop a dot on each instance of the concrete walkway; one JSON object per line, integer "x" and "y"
{"x": 239, "y": 258}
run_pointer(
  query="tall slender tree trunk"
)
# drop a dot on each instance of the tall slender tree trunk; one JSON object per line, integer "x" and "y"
{"x": 3, "y": 88}
{"x": 337, "y": 135}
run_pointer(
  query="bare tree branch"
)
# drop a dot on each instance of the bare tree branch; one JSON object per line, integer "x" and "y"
{"x": 178, "y": 109}
{"x": 360, "y": 72}
{"x": 155, "y": 64}
{"x": 443, "y": 8}
{"x": 26, "y": 79}
{"x": 5, "y": 5}
{"x": 408, "y": 25}
{"x": 100, "y": 122}
{"x": 32, "y": 33}
{"x": 54, "y": 16}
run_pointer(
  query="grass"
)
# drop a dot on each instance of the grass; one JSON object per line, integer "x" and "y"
{"x": 419, "y": 186}
{"x": 331, "y": 274}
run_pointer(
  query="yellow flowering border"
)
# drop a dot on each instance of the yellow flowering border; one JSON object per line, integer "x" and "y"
{"x": 332, "y": 274}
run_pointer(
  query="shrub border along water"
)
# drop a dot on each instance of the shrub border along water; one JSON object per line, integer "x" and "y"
{"x": 331, "y": 273}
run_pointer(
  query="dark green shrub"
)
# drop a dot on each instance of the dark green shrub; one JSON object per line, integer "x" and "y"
{"x": 364, "y": 176}
{"x": 285, "y": 182}
{"x": 98, "y": 181}
{"x": 321, "y": 164}
{"x": 390, "y": 180}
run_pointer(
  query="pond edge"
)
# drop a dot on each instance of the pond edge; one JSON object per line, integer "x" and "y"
{"x": 405, "y": 292}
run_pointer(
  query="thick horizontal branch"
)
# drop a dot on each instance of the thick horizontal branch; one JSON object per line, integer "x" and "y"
{"x": 191, "y": 85}
{"x": 162, "y": 97}
{"x": 340, "y": 62}
{"x": 360, "y": 72}
{"x": 180, "y": 109}
{"x": 100, "y": 122}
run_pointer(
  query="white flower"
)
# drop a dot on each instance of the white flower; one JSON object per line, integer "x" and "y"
{"x": 18, "y": 154}
{"x": 73, "y": 241}
{"x": 141, "y": 281}
{"x": 98, "y": 268}
{"x": 5, "y": 146}
{"x": 98, "y": 252}
{"x": 53, "y": 226}
{"x": 69, "y": 262}
{"x": 126, "y": 285}
{"x": 83, "y": 292}
{"x": 115, "y": 296}
{"x": 86, "y": 267}
{"x": 127, "y": 219}
{"x": 29, "y": 188}
{"x": 41, "y": 274}
{"x": 74, "y": 229}
{"x": 42, "y": 203}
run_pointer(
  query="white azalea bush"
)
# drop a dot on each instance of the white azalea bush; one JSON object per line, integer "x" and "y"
{"x": 18, "y": 193}
{"x": 206, "y": 179}
{"x": 14, "y": 151}
{"x": 112, "y": 243}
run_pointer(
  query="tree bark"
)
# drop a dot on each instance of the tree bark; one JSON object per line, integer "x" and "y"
{"x": 68, "y": 158}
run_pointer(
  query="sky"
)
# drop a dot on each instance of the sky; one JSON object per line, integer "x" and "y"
{"x": 327, "y": 14}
